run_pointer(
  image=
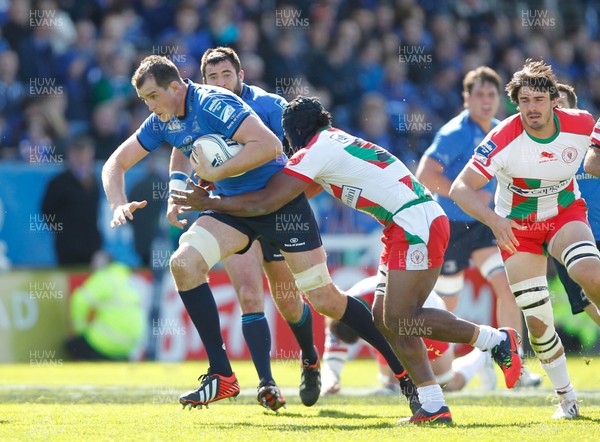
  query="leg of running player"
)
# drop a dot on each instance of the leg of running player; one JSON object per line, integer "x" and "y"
{"x": 298, "y": 315}
{"x": 489, "y": 263}
{"x": 403, "y": 312}
{"x": 527, "y": 276}
{"x": 404, "y": 315}
{"x": 406, "y": 291}
{"x": 574, "y": 246}
{"x": 583, "y": 266}
{"x": 328, "y": 300}
{"x": 575, "y": 294}
{"x": 199, "y": 250}
{"x": 407, "y": 389}
{"x": 312, "y": 277}
{"x": 245, "y": 273}
{"x": 290, "y": 303}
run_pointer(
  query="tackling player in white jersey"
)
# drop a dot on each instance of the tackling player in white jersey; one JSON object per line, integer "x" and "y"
{"x": 535, "y": 155}
{"x": 368, "y": 178}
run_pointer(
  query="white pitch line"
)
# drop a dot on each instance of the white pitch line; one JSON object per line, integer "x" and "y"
{"x": 130, "y": 390}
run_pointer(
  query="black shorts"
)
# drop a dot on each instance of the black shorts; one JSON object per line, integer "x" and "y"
{"x": 575, "y": 293}
{"x": 270, "y": 252}
{"x": 293, "y": 228}
{"x": 465, "y": 238}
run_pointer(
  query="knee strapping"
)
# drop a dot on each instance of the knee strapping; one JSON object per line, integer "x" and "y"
{"x": 204, "y": 242}
{"x": 579, "y": 251}
{"x": 546, "y": 346}
{"x": 533, "y": 298}
{"x": 449, "y": 285}
{"x": 491, "y": 265}
{"x": 313, "y": 278}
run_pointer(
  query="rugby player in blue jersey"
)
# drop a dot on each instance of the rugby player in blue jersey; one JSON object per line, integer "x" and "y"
{"x": 181, "y": 112}
{"x": 470, "y": 240}
{"x": 221, "y": 67}
{"x": 589, "y": 186}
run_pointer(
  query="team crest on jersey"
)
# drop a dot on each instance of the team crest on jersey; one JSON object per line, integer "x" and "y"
{"x": 186, "y": 144}
{"x": 483, "y": 151}
{"x": 219, "y": 109}
{"x": 569, "y": 155}
{"x": 417, "y": 257}
{"x": 174, "y": 125}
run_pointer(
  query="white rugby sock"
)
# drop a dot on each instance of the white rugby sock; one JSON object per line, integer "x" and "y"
{"x": 431, "y": 398}
{"x": 488, "y": 338}
{"x": 559, "y": 377}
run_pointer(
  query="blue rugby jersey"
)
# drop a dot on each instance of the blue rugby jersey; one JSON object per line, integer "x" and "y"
{"x": 268, "y": 107}
{"x": 453, "y": 147}
{"x": 208, "y": 109}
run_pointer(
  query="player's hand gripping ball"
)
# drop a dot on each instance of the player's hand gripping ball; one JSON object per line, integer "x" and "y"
{"x": 217, "y": 148}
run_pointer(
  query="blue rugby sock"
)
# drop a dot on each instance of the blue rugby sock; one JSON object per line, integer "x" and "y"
{"x": 304, "y": 335}
{"x": 202, "y": 308}
{"x": 258, "y": 338}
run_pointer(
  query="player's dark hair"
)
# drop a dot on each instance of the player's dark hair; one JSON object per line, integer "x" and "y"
{"x": 217, "y": 55}
{"x": 301, "y": 120}
{"x": 160, "y": 68}
{"x": 570, "y": 92}
{"x": 535, "y": 75}
{"x": 482, "y": 74}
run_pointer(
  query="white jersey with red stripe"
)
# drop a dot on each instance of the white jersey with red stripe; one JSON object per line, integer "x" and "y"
{"x": 362, "y": 175}
{"x": 536, "y": 177}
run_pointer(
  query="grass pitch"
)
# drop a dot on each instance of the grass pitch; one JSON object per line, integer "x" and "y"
{"x": 139, "y": 401}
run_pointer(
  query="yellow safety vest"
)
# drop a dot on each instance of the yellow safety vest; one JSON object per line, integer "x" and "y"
{"x": 107, "y": 310}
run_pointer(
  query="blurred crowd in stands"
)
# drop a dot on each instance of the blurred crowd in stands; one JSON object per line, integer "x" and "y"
{"x": 389, "y": 70}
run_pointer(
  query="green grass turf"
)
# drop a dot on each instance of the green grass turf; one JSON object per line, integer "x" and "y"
{"x": 138, "y": 401}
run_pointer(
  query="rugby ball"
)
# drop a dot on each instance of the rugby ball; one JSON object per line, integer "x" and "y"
{"x": 216, "y": 147}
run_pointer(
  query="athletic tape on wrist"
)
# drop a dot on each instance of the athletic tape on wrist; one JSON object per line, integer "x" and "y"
{"x": 177, "y": 180}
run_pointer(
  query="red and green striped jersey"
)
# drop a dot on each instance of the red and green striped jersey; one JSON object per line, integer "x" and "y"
{"x": 362, "y": 175}
{"x": 536, "y": 177}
